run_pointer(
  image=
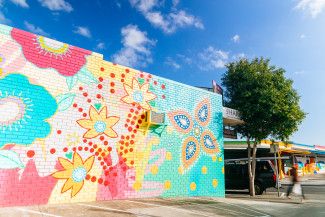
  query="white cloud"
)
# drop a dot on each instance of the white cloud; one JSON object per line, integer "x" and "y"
{"x": 302, "y": 36}
{"x": 313, "y": 7}
{"x": 21, "y": 3}
{"x": 168, "y": 22}
{"x": 37, "y": 30}
{"x": 83, "y": 31}
{"x": 57, "y": 5}
{"x": 101, "y": 46}
{"x": 170, "y": 62}
{"x": 212, "y": 58}
{"x": 136, "y": 49}
{"x": 3, "y": 19}
{"x": 236, "y": 38}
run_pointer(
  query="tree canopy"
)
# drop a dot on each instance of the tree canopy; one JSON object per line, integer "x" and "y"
{"x": 265, "y": 98}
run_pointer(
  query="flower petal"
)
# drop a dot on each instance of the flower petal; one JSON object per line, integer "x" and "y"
{"x": 67, "y": 185}
{"x": 135, "y": 85}
{"x": 110, "y": 132}
{"x": 128, "y": 89}
{"x": 145, "y": 105}
{"x": 65, "y": 163}
{"x": 92, "y": 133}
{"x": 145, "y": 87}
{"x": 62, "y": 174}
{"x": 149, "y": 96}
{"x": 86, "y": 123}
{"x": 103, "y": 113}
{"x": 77, "y": 186}
{"x": 89, "y": 163}
{"x": 94, "y": 115}
{"x": 77, "y": 160}
{"x": 111, "y": 121}
{"x": 127, "y": 99}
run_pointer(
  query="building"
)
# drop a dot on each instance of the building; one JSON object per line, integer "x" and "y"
{"x": 74, "y": 127}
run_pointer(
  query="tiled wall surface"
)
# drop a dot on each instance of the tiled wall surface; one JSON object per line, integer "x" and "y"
{"x": 72, "y": 128}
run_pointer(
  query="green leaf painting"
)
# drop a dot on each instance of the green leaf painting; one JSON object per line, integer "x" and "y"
{"x": 10, "y": 160}
{"x": 65, "y": 101}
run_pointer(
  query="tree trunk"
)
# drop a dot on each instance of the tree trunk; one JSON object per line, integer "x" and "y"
{"x": 251, "y": 166}
{"x": 250, "y": 174}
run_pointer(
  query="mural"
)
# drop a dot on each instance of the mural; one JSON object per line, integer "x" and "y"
{"x": 74, "y": 127}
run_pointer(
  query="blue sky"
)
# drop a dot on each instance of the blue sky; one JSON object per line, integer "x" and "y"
{"x": 191, "y": 41}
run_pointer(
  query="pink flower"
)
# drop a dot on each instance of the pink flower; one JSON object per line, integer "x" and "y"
{"x": 48, "y": 53}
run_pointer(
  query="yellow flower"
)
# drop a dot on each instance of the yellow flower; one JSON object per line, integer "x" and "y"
{"x": 74, "y": 172}
{"x": 138, "y": 94}
{"x": 99, "y": 123}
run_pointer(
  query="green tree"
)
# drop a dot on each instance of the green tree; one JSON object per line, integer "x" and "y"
{"x": 267, "y": 102}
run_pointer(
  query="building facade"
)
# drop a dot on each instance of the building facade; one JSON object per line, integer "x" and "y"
{"x": 74, "y": 127}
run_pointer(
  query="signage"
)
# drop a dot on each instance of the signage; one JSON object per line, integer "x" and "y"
{"x": 230, "y": 113}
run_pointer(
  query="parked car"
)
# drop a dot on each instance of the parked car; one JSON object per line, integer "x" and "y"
{"x": 236, "y": 175}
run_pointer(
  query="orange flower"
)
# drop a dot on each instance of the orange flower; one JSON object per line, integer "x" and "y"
{"x": 138, "y": 94}
{"x": 99, "y": 123}
{"x": 74, "y": 172}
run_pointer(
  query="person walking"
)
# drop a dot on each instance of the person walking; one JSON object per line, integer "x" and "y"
{"x": 295, "y": 186}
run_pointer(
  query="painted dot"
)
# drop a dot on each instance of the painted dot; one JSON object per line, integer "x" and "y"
{"x": 155, "y": 82}
{"x": 180, "y": 170}
{"x": 167, "y": 185}
{"x": 98, "y": 96}
{"x": 30, "y": 153}
{"x": 100, "y": 79}
{"x": 123, "y": 75}
{"x": 204, "y": 170}
{"x": 214, "y": 158}
{"x": 93, "y": 179}
{"x": 52, "y": 151}
{"x": 112, "y": 75}
{"x": 100, "y": 180}
{"x": 122, "y": 80}
{"x": 89, "y": 100}
{"x": 85, "y": 94}
{"x": 154, "y": 169}
{"x": 106, "y": 183}
{"x": 220, "y": 159}
{"x": 112, "y": 91}
{"x": 80, "y": 88}
{"x": 130, "y": 129}
{"x": 86, "y": 148}
{"x": 127, "y": 70}
{"x": 84, "y": 114}
{"x": 193, "y": 186}
{"x": 214, "y": 183}
{"x": 59, "y": 132}
{"x": 80, "y": 109}
{"x": 65, "y": 149}
{"x": 102, "y": 69}
{"x": 163, "y": 96}
{"x": 112, "y": 84}
{"x": 223, "y": 170}
{"x": 168, "y": 155}
{"x": 137, "y": 186}
{"x": 75, "y": 105}
{"x": 79, "y": 148}
{"x": 100, "y": 86}
{"x": 163, "y": 86}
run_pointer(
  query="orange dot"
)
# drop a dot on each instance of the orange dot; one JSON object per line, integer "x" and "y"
{"x": 93, "y": 179}
{"x": 52, "y": 151}
{"x": 30, "y": 153}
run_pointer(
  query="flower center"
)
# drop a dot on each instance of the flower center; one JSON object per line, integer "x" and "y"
{"x": 79, "y": 174}
{"x": 12, "y": 109}
{"x": 138, "y": 96}
{"x": 53, "y": 46}
{"x": 100, "y": 126}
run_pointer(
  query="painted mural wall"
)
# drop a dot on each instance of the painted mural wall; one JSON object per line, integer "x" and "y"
{"x": 72, "y": 128}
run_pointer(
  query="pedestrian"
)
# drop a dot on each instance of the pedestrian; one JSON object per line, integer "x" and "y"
{"x": 295, "y": 186}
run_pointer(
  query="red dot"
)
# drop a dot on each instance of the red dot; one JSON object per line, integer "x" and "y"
{"x": 74, "y": 149}
{"x": 90, "y": 143}
{"x": 139, "y": 121}
{"x": 91, "y": 150}
{"x": 134, "y": 117}
{"x": 132, "y": 136}
{"x": 163, "y": 86}
{"x": 104, "y": 167}
{"x": 136, "y": 112}
{"x": 112, "y": 75}
{"x": 112, "y": 91}
{"x": 59, "y": 132}
{"x": 132, "y": 162}
{"x": 84, "y": 114}
{"x": 127, "y": 137}
{"x": 102, "y": 69}
{"x": 89, "y": 100}
{"x": 80, "y": 88}
{"x": 100, "y": 180}
{"x": 122, "y": 80}
{"x": 95, "y": 146}
{"x": 106, "y": 183}
{"x": 112, "y": 84}
{"x": 100, "y": 86}
{"x": 143, "y": 116}
{"x": 163, "y": 96}
{"x": 30, "y": 153}
{"x": 135, "y": 131}
{"x": 80, "y": 109}
{"x": 96, "y": 153}
{"x": 65, "y": 149}
{"x": 109, "y": 149}
{"x": 141, "y": 76}
{"x": 149, "y": 76}
{"x": 132, "y": 110}
{"x": 126, "y": 151}
{"x": 130, "y": 129}
{"x": 129, "y": 115}
{"x": 122, "y": 137}
{"x": 105, "y": 143}
{"x": 125, "y": 125}
{"x": 100, "y": 79}
{"x": 84, "y": 140}
{"x": 52, "y": 151}
{"x": 101, "y": 138}
{"x": 155, "y": 82}
{"x": 93, "y": 179}
{"x": 139, "y": 107}
{"x": 132, "y": 142}
{"x": 87, "y": 177}
{"x": 127, "y": 120}
{"x": 86, "y": 148}
{"x": 100, "y": 150}
{"x": 79, "y": 148}
{"x": 131, "y": 149}
{"x": 98, "y": 96}
{"x": 85, "y": 94}
{"x": 123, "y": 76}
{"x": 127, "y": 70}
{"x": 75, "y": 105}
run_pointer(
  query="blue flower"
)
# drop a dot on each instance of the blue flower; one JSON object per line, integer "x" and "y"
{"x": 24, "y": 108}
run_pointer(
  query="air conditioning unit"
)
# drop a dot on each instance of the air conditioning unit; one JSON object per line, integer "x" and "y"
{"x": 154, "y": 118}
